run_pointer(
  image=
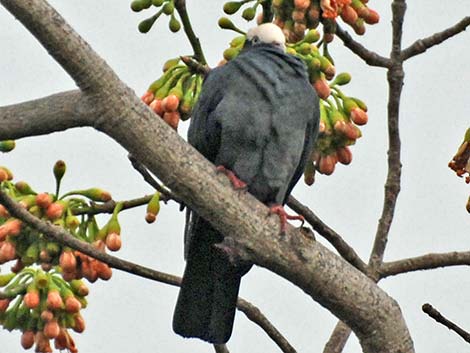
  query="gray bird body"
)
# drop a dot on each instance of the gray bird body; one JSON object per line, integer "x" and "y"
{"x": 257, "y": 116}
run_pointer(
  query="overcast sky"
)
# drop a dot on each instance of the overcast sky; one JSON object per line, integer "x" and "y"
{"x": 130, "y": 314}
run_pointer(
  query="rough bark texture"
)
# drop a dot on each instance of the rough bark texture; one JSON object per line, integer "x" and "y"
{"x": 328, "y": 279}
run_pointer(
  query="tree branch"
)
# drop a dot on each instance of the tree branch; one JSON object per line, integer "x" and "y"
{"x": 180, "y": 6}
{"x": 328, "y": 279}
{"x": 421, "y": 45}
{"x": 436, "y": 315}
{"x": 338, "y": 339}
{"x": 57, "y": 112}
{"x": 395, "y": 76}
{"x": 425, "y": 262}
{"x": 63, "y": 237}
{"x": 343, "y": 248}
{"x": 370, "y": 57}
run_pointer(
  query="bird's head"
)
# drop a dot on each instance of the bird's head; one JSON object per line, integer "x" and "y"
{"x": 266, "y": 33}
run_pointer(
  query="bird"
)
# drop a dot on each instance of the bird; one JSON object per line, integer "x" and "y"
{"x": 257, "y": 120}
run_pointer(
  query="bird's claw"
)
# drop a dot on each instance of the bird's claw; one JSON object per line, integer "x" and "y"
{"x": 236, "y": 183}
{"x": 284, "y": 216}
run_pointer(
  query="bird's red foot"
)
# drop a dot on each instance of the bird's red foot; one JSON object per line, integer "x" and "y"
{"x": 283, "y": 216}
{"x": 236, "y": 183}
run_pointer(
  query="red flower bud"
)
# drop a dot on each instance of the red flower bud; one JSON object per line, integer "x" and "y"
{"x": 157, "y": 107}
{"x": 7, "y": 251}
{"x": 79, "y": 325}
{"x": 344, "y": 155}
{"x": 172, "y": 119}
{"x": 327, "y": 164}
{"x": 27, "y": 339}
{"x": 47, "y": 316}
{"x": 4, "y": 305}
{"x": 147, "y": 98}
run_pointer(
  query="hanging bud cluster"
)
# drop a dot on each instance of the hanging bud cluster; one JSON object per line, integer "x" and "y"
{"x": 45, "y": 302}
{"x": 43, "y": 307}
{"x": 460, "y": 163}
{"x": 174, "y": 94}
{"x": 166, "y": 7}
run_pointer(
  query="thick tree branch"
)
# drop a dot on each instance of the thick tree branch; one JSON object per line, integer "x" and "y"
{"x": 436, "y": 315}
{"x": 425, "y": 262}
{"x": 343, "y": 248}
{"x": 57, "y": 112}
{"x": 421, "y": 45}
{"x": 370, "y": 57}
{"x": 63, "y": 237}
{"x": 374, "y": 316}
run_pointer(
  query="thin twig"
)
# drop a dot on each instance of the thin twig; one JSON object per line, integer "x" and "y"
{"x": 395, "y": 77}
{"x": 254, "y": 314}
{"x": 63, "y": 237}
{"x": 421, "y": 45}
{"x": 425, "y": 262}
{"x": 221, "y": 348}
{"x": 370, "y": 57}
{"x": 108, "y": 207}
{"x": 343, "y": 248}
{"x": 166, "y": 194}
{"x": 180, "y": 6}
{"x": 436, "y": 315}
{"x": 195, "y": 66}
{"x": 338, "y": 339}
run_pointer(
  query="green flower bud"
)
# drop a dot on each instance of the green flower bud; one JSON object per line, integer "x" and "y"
{"x": 342, "y": 79}
{"x": 231, "y": 7}
{"x": 249, "y": 13}
{"x": 230, "y": 53}
{"x": 59, "y": 170}
{"x": 226, "y": 23}
{"x": 137, "y": 5}
{"x": 157, "y": 3}
{"x": 5, "y": 279}
{"x": 7, "y": 145}
{"x": 169, "y": 8}
{"x": 147, "y": 24}
{"x": 238, "y": 42}
{"x": 24, "y": 188}
{"x": 312, "y": 36}
{"x": 174, "y": 24}
{"x": 170, "y": 63}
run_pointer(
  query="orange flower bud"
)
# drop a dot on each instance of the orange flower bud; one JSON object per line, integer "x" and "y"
{"x": 349, "y": 15}
{"x": 147, "y": 98}
{"x": 157, "y": 107}
{"x": 54, "y": 300}
{"x": 31, "y": 299}
{"x": 51, "y": 329}
{"x": 113, "y": 241}
{"x": 43, "y": 200}
{"x": 372, "y": 17}
{"x": 358, "y": 116}
{"x": 4, "y": 305}
{"x": 67, "y": 261}
{"x": 103, "y": 270}
{"x": 47, "y": 315}
{"x": 4, "y": 212}
{"x": 72, "y": 305}
{"x": 79, "y": 325}
{"x": 55, "y": 211}
{"x": 7, "y": 251}
{"x": 327, "y": 164}
{"x": 302, "y": 4}
{"x": 150, "y": 217}
{"x": 322, "y": 88}
{"x": 344, "y": 155}
{"x": 170, "y": 103}
{"x": 3, "y": 175}
{"x": 42, "y": 343}
{"x": 172, "y": 119}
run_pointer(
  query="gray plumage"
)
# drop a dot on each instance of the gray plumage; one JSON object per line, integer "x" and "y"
{"x": 258, "y": 116}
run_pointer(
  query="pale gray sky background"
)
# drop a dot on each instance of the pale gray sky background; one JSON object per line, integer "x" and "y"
{"x": 130, "y": 314}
